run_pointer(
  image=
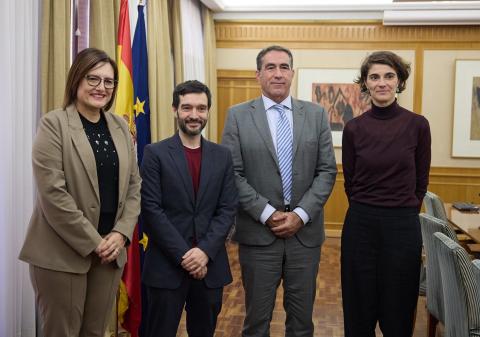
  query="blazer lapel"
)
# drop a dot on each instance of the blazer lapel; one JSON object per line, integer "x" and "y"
{"x": 178, "y": 156}
{"x": 207, "y": 167}
{"x": 298, "y": 123}
{"x": 122, "y": 147}
{"x": 260, "y": 119}
{"x": 81, "y": 143}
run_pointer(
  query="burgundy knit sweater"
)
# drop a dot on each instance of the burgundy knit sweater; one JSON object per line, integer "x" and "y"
{"x": 386, "y": 157}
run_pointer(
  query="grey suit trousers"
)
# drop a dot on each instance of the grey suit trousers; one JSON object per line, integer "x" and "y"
{"x": 263, "y": 267}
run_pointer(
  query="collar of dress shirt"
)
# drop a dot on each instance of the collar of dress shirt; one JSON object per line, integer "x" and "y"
{"x": 268, "y": 103}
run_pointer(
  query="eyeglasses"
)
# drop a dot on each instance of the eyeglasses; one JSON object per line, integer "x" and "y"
{"x": 94, "y": 81}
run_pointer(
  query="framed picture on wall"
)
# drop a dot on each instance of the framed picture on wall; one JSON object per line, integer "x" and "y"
{"x": 336, "y": 92}
{"x": 466, "y": 113}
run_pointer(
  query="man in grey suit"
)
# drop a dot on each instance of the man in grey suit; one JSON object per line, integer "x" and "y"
{"x": 284, "y": 170}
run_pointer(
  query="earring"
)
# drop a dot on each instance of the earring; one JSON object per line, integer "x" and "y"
{"x": 398, "y": 90}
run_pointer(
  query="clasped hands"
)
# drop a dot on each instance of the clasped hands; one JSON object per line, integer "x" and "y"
{"x": 195, "y": 262}
{"x": 110, "y": 247}
{"x": 284, "y": 224}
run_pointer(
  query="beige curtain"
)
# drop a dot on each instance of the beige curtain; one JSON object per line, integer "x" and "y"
{"x": 210, "y": 47}
{"x": 104, "y": 25}
{"x": 176, "y": 24}
{"x": 55, "y": 52}
{"x": 160, "y": 70}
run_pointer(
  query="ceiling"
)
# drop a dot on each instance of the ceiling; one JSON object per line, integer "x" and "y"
{"x": 391, "y": 12}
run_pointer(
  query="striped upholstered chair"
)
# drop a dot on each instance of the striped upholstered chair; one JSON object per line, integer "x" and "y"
{"x": 434, "y": 291}
{"x": 428, "y": 203}
{"x": 437, "y": 208}
{"x": 434, "y": 206}
{"x": 461, "y": 288}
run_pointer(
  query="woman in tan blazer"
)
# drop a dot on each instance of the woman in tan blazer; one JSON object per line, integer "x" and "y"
{"x": 87, "y": 205}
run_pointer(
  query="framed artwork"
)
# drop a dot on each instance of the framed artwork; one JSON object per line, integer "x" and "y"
{"x": 336, "y": 92}
{"x": 466, "y": 113}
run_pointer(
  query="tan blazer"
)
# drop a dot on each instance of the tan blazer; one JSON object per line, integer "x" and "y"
{"x": 63, "y": 228}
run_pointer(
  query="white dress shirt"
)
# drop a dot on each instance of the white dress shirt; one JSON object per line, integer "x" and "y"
{"x": 272, "y": 118}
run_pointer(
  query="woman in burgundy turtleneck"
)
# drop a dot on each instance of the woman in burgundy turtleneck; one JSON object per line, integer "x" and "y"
{"x": 386, "y": 162}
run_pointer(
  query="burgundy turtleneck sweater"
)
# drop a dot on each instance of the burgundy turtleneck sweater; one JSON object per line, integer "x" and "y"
{"x": 386, "y": 157}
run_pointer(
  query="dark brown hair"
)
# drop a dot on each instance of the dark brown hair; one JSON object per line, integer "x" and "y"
{"x": 264, "y": 51}
{"x": 190, "y": 87}
{"x": 388, "y": 58}
{"x": 86, "y": 60}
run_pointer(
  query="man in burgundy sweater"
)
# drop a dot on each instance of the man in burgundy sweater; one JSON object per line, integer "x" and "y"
{"x": 188, "y": 206}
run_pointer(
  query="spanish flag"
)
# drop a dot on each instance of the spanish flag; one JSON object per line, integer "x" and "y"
{"x": 124, "y": 101}
{"x": 129, "y": 303}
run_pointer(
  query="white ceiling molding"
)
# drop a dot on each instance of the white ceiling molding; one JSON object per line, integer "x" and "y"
{"x": 332, "y": 7}
{"x": 431, "y": 17}
{"x": 399, "y": 13}
{"x": 297, "y": 16}
{"x": 214, "y": 5}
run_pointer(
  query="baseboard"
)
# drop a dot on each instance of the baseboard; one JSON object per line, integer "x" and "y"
{"x": 333, "y": 233}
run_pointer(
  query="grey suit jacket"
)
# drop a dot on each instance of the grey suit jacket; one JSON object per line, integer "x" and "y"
{"x": 257, "y": 174}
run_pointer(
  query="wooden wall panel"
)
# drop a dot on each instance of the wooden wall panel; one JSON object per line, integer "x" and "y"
{"x": 341, "y": 35}
{"x": 456, "y": 184}
{"x": 451, "y": 184}
{"x": 234, "y": 87}
{"x": 336, "y": 207}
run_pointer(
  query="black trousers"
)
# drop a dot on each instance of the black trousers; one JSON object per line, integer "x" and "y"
{"x": 165, "y": 306}
{"x": 381, "y": 254}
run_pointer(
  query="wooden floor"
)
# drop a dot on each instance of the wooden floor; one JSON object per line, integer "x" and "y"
{"x": 328, "y": 317}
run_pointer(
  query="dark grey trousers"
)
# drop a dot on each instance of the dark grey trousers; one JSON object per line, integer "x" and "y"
{"x": 263, "y": 267}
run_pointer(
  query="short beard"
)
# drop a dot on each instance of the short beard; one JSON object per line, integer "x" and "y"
{"x": 182, "y": 124}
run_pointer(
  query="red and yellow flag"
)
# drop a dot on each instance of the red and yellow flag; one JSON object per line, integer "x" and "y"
{"x": 129, "y": 303}
{"x": 124, "y": 101}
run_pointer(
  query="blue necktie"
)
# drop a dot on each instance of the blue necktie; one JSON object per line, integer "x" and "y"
{"x": 284, "y": 151}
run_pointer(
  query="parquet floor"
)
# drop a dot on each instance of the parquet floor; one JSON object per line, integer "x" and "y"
{"x": 328, "y": 317}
